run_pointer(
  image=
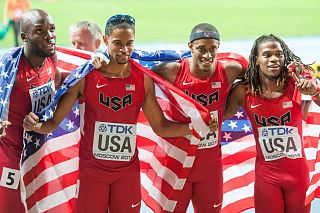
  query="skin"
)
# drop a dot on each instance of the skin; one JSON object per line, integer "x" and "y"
{"x": 120, "y": 47}
{"x": 270, "y": 60}
{"x": 83, "y": 40}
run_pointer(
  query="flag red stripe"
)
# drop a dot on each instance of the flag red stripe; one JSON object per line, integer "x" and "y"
{"x": 52, "y": 187}
{"x": 49, "y": 160}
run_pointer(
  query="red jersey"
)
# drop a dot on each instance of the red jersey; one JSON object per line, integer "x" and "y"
{"x": 277, "y": 125}
{"x": 32, "y": 91}
{"x": 109, "y": 109}
{"x": 211, "y": 93}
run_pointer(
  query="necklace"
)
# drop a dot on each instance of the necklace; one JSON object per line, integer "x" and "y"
{"x": 38, "y": 70}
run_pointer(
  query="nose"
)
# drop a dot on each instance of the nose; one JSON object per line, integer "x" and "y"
{"x": 207, "y": 55}
{"x": 274, "y": 58}
{"x": 124, "y": 48}
{"x": 49, "y": 35}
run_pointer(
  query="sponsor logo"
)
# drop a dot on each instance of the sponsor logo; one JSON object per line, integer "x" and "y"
{"x": 102, "y": 85}
{"x": 135, "y": 205}
{"x": 187, "y": 83}
{"x": 254, "y": 106}
{"x": 216, "y": 205}
{"x": 29, "y": 79}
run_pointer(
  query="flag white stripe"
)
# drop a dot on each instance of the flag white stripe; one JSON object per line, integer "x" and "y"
{"x": 70, "y": 58}
{"x": 51, "y": 146}
{"x": 52, "y": 173}
{"x": 238, "y": 170}
{"x": 237, "y": 194}
{"x": 162, "y": 171}
{"x": 161, "y": 199}
{"x": 54, "y": 200}
{"x": 172, "y": 151}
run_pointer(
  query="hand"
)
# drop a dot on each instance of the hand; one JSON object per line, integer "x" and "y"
{"x": 213, "y": 125}
{"x": 305, "y": 86}
{"x": 3, "y": 126}
{"x": 100, "y": 59}
{"x": 30, "y": 122}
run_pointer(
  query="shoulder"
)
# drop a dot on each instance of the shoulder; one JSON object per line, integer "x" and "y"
{"x": 167, "y": 70}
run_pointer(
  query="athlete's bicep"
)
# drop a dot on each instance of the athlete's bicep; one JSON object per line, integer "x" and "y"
{"x": 167, "y": 70}
{"x": 235, "y": 100}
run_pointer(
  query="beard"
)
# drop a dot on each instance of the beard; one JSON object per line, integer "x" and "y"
{"x": 36, "y": 49}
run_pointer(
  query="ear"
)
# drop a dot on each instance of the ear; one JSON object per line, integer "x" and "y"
{"x": 105, "y": 40}
{"x": 190, "y": 45}
{"x": 97, "y": 43}
{"x": 23, "y": 37}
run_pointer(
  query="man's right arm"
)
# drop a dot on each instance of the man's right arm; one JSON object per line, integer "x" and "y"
{"x": 236, "y": 99}
{"x": 30, "y": 123}
{"x": 167, "y": 70}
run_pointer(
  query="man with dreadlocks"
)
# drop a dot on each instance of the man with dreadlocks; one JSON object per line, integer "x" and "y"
{"x": 208, "y": 81}
{"x": 269, "y": 99}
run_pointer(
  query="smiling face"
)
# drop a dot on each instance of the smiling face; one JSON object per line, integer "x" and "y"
{"x": 39, "y": 35}
{"x": 120, "y": 45}
{"x": 270, "y": 60}
{"x": 204, "y": 52}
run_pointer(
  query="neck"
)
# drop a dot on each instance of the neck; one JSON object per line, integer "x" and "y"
{"x": 34, "y": 60}
{"x": 271, "y": 88}
{"x": 114, "y": 70}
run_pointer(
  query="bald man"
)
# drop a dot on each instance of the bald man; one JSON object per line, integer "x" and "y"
{"x": 36, "y": 74}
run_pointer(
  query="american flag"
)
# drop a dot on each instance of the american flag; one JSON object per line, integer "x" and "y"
{"x": 50, "y": 165}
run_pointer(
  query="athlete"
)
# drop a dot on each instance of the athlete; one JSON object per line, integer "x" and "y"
{"x": 111, "y": 98}
{"x": 208, "y": 81}
{"x": 33, "y": 89}
{"x": 269, "y": 99}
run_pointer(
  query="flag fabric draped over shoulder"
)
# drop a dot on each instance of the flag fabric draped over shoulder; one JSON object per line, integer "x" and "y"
{"x": 49, "y": 164}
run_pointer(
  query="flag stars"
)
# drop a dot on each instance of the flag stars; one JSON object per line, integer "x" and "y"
{"x": 37, "y": 143}
{"x": 45, "y": 117}
{"x": 246, "y": 128}
{"x": 233, "y": 124}
{"x": 63, "y": 86}
{"x": 3, "y": 102}
{"x": 239, "y": 114}
{"x": 50, "y": 112}
{"x": 70, "y": 125}
{"x": 8, "y": 86}
{"x": 28, "y": 138}
{"x": 227, "y": 136}
{"x": 76, "y": 112}
{"x": 4, "y": 74}
{"x": 77, "y": 75}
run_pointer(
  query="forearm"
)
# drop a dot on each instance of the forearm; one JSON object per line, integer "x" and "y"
{"x": 46, "y": 127}
{"x": 172, "y": 129}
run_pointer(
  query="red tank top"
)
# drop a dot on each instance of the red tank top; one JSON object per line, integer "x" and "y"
{"x": 109, "y": 109}
{"x": 211, "y": 93}
{"x": 31, "y": 92}
{"x": 276, "y": 124}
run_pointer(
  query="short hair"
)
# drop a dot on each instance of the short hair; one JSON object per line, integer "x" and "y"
{"x": 93, "y": 28}
{"x": 125, "y": 22}
{"x": 209, "y": 31}
{"x": 204, "y": 27}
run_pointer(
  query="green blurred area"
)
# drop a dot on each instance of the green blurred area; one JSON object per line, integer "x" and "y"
{"x": 172, "y": 20}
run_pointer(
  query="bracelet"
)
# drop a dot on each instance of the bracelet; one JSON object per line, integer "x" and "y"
{"x": 315, "y": 94}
